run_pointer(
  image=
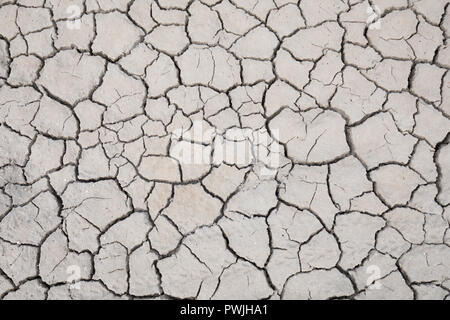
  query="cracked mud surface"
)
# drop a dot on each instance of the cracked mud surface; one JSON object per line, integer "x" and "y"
{"x": 98, "y": 97}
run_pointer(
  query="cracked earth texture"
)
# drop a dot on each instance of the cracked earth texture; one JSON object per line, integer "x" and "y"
{"x": 97, "y": 97}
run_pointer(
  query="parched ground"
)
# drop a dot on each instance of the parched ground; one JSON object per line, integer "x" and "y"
{"x": 224, "y": 149}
